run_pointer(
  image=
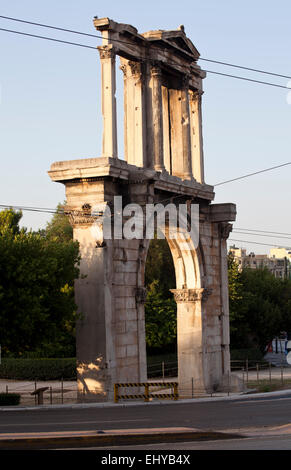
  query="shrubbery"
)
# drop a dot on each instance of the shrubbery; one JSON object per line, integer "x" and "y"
{"x": 244, "y": 354}
{"x": 38, "y": 369}
{"x": 9, "y": 399}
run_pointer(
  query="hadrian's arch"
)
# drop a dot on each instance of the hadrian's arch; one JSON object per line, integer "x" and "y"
{"x": 163, "y": 162}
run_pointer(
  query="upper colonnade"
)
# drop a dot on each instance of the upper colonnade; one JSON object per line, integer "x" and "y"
{"x": 162, "y": 99}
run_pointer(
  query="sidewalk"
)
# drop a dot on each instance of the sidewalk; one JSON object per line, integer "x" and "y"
{"x": 65, "y": 392}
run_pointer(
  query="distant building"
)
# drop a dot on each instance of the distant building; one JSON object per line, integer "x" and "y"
{"x": 280, "y": 253}
{"x": 278, "y": 262}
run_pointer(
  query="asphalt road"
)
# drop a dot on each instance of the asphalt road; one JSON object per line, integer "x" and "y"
{"x": 240, "y": 414}
{"x": 254, "y": 443}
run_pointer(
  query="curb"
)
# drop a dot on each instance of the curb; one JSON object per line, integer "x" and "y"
{"x": 102, "y": 440}
{"x": 245, "y": 395}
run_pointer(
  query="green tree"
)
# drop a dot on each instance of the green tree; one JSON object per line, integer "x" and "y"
{"x": 159, "y": 266}
{"x": 9, "y": 221}
{"x": 37, "y": 308}
{"x": 260, "y": 307}
{"x": 161, "y": 323}
{"x": 59, "y": 227}
{"x": 238, "y": 327}
{"x": 263, "y": 306}
{"x": 160, "y": 307}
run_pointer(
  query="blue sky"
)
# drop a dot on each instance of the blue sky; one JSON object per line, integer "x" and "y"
{"x": 50, "y": 100}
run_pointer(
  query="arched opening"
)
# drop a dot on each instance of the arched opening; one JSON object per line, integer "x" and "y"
{"x": 176, "y": 264}
{"x": 160, "y": 311}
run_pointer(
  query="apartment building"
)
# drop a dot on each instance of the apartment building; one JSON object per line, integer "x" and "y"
{"x": 278, "y": 261}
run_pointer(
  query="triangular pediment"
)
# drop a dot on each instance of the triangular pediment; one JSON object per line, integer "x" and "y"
{"x": 176, "y": 39}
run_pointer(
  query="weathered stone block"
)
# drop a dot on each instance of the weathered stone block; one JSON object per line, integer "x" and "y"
{"x": 126, "y": 339}
{"x": 131, "y": 350}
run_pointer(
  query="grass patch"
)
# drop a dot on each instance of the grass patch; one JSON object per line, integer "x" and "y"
{"x": 264, "y": 386}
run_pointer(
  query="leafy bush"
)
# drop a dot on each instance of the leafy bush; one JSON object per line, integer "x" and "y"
{"x": 9, "y": 399}
{"x": 243, "y": 354}
{"x": 40, "y": 369}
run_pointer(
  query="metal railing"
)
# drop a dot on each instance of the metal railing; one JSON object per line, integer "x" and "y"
{"x": 30, "y": 392}
{"x": 254, "y": 374}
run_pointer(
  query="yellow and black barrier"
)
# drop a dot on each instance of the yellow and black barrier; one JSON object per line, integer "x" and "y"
{"x": 147, "y": 395}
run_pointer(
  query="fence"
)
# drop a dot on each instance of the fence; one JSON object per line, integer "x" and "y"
{"x": 36, "y": 392}
{"x": 254, "y": 374}
{"x": 260, "y": 375}
{"x": 163, "y": 369}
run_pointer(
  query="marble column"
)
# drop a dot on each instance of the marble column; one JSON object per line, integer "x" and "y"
{"x": 134, "y": 113}
{"x": 196, "y": 136}
{"x": 108, "y": 84}
{"x": 185, "y": 122}
{"x": 157, "y": 117}
{"x": 190, "y": 339}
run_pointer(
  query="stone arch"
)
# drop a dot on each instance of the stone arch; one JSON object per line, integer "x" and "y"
{"x": 189, "y": 267}
{"x": 163, "y": 160}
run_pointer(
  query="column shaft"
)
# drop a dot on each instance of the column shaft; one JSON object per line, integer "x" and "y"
{"x": 157, "y": 118}
{"x": 186, "y": 139}
{"x": 108, "y": 84}
{"x": 196, "y": 136}
{"x": 134, "y": 113}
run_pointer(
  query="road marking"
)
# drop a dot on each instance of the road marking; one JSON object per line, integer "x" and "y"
{"x": 76, "y": 422}
{"x": 259, "y": 400}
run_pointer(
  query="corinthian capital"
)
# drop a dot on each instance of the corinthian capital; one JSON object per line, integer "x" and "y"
{"x": 225, "y": 229}
{"x": 155, "y": 69}
{"x": 106, "y": 52}
{"x": 191, "y": 295}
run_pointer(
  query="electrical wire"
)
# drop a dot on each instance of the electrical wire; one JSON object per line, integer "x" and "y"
{"x": 50, "y": 27}
{"x": 252, "y": 174}
{"x": 67, "y": 213}
{"x": 246, "y": 79}
{"x": 141, "y": 58}
{"x": 52, "y": 211}
{"x": 260, "y": 235}
{"x": 47, "y": 38}
{"x": 228, "y": 64}
{"x": 262, "y": 231}
{"x": 245, "y": 68}
{"x": 256, "y": 243}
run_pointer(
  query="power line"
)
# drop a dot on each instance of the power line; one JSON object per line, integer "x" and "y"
{"x": 32, "y": 209}
{"x": 260, "y": 235}
{"x": 141, "y": 58}
{"x": 244, "y": 68}
{"x": 262, "y": 231}
{"x": 47, "y": 38}
{"x": 252, "y": 174}
{"x": 50, "y": 27}
{"x": 71, "y": 212}
{"x": 246, "y": 79}
{"x": 257, "y": 243}
{"x": 126, "y": 42}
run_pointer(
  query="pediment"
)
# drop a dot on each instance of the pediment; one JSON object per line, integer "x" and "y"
{"x": 176, "y": 39}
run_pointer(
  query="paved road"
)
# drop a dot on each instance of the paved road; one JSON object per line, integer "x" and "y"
{"x": 253, "y": 443}
{"x": 242, "y": 413}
